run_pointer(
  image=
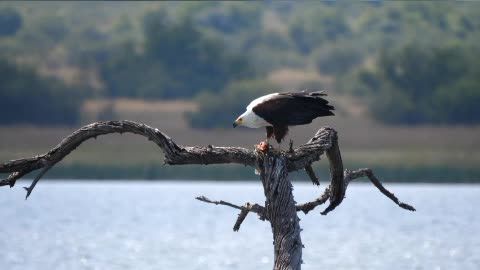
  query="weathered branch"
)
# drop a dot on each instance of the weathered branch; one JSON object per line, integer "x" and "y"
{"x": 311, "y": 174}
{"x": 309, "y": 206}
{"x": 310, "y": 152}
{"x": 244, "y": 210}
{"x": 12, "y": 178}
{"x": 174, "y": 154}
{"x": 352, "y": 175}
{"x": 349, "y": 176}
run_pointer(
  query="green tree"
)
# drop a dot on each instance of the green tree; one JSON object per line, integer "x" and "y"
{"x": 232, "y": 18}
{"x": 178, "y": 61}
{"x": 316, "y": 25}
{"x": 10, "y": 21}
{"x": 52, "y": 27}
{"x": 459, "y": 103}
{"x": 27, "y": 98}
{"x": 417, "y": 85}
{"x": 338, "y": 59}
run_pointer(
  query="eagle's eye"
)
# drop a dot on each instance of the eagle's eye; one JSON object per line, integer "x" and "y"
{"x": 240, "y": 119}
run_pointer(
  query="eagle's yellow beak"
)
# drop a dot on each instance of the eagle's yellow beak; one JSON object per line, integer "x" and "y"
{"x": 237, "y": 122}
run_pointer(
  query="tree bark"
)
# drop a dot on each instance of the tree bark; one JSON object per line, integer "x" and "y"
{"x": 280, "y": 209}
{"x": 281, "y": 212}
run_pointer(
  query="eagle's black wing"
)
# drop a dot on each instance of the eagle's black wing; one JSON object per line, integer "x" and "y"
{"x": 288, "y": 109}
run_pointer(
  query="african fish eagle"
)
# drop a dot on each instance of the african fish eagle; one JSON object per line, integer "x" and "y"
{"x": 278, "y": 111}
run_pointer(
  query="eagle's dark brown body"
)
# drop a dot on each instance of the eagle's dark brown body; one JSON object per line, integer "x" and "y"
{"x": 290, "y": 109}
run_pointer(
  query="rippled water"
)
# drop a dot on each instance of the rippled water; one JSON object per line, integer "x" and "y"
{"x": 144, "y": 225}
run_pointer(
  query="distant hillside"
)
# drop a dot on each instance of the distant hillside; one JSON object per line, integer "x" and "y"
{"x": 210, "y": 52}
{"x": 333, "y": 37}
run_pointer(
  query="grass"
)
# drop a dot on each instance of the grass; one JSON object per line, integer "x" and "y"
{"x": 398, "y": 151}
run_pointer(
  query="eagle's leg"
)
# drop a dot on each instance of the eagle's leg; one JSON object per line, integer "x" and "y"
{"x": 269, "y": 134}
{"x": 279, "y": 133}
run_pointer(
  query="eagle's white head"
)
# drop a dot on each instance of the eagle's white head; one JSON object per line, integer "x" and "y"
{"x": 251, "y": 120}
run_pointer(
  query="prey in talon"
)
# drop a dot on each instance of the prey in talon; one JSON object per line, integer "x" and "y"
{"x": 263, "y": 146}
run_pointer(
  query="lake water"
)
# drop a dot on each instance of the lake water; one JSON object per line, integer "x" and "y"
{"x": 159, "y": 225}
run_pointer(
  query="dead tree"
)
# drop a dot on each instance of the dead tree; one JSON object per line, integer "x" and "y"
{"x": 280, "y": 208}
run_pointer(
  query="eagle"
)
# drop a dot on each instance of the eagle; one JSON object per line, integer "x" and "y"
{"x": 278, "y": 111}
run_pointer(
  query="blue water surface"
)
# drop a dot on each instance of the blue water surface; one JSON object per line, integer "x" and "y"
{"x": 159, "y": 225}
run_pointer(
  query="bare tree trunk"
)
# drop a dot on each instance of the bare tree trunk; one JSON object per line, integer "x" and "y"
{"x": 281, "y": 212}
{"x": 280, "y": 209}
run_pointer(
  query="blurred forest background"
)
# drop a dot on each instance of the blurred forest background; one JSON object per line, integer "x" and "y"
{"x": 404, "y": 78}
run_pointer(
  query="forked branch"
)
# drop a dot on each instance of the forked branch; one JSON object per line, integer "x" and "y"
{"x": 309, "y": 206}
{"x": 349, "y": 176}
{"x": 174, "y": 154}
{"x": 244, "y": 210}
